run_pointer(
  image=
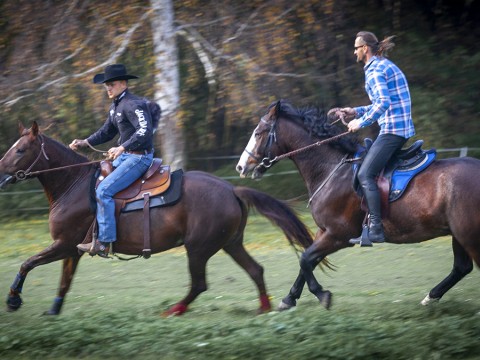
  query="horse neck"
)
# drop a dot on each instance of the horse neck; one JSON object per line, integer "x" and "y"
{"x": 57, "y": 183}
{"x": 314, "y": 164}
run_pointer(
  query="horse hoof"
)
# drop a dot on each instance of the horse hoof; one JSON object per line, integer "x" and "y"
{"x": 428, "y": 300}
{"x": 175, "y": 310}
{"x": 287, "y": 303}
{"x": 264, "y": 310}
{"x": 283, "y": 306}
{"x": 14, "y": 302}
{"x": 325, "y": 299}
{"x": 50, "y": 312}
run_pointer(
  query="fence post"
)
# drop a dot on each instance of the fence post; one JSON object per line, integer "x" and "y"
{"x": 463, "y": 151}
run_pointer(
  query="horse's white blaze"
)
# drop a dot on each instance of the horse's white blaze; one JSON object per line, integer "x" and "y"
{"x": 242, "y": 163}
{"x": 428, "y": 300}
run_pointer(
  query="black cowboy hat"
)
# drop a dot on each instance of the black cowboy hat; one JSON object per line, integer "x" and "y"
{"x": 112, "y": 73}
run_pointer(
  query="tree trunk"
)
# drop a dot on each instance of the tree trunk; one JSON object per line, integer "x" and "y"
{"x": 167, "y": 83}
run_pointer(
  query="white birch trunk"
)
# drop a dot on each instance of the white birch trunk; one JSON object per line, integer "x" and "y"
{"x": 167, "y": 83}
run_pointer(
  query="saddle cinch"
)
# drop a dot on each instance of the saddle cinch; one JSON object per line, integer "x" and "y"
{"x": 397, "y": 174}
{"x": 157, "y": 187}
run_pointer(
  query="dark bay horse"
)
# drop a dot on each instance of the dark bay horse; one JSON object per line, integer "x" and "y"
{"x": 442, "y": 200}
{"x": 211, "y": 215}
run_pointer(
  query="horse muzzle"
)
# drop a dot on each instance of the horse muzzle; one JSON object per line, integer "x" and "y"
{"x": 5, "y": 180}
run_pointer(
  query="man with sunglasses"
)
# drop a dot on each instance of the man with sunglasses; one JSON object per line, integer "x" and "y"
{"x": 387, "y": 88}
{"x": 129, "y": 117}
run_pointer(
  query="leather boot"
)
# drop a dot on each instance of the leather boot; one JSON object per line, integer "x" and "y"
{"x": 374, "y": 232}
{"x": 95, "y": 248}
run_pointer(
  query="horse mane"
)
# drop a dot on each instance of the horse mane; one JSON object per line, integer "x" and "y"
{"x": 315, "y": 121}
{"x": 67, "y": 154}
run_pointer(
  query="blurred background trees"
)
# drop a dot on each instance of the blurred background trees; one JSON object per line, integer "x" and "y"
{"x": 233, "y": 59}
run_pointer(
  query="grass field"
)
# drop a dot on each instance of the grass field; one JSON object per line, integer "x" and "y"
{"x": 114, "y": 307}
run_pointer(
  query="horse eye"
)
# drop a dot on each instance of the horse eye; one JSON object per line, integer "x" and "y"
{"x": 20, "y": 151}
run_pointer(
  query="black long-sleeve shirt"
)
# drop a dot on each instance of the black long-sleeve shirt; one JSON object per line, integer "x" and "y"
{"x": 128, "y": 116}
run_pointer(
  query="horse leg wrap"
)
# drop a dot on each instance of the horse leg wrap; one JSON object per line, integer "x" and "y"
{"x": 175, "y": 310}
{"x": 17, "y": 285}
{"x": 265, "y": 305}
{"x": 56, "y": 306}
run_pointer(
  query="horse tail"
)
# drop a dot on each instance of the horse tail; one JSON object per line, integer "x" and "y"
{"x": 279, "y": 213}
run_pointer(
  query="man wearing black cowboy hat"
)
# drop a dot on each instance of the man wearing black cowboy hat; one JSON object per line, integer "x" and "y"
{"x": 128, "y": 117}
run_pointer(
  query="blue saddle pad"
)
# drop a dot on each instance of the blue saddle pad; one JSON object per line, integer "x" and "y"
{"x": 402, "y": 176}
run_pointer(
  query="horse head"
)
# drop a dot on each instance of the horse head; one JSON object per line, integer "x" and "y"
{"x": 22, "y": 156}
{"x": 262, "y": 146}
{"x": 274, "y": 139}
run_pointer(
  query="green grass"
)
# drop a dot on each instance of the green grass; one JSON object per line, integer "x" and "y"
{"x": 113, "y": 309}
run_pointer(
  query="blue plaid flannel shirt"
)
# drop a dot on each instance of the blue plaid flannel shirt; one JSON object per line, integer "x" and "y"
{"x": 387, "y": 89}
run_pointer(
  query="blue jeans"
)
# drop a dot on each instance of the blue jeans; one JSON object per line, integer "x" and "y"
{"x": 128, "y": 168}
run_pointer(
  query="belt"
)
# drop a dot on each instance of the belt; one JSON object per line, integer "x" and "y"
{"x": 138, "y": 152}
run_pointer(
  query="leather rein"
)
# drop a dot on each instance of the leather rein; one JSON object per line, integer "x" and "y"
{"x": 267, "y": 161}
{"x": 21, "y": 175}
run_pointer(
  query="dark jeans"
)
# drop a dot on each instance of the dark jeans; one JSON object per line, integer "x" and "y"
{"x": 377, "y": 157}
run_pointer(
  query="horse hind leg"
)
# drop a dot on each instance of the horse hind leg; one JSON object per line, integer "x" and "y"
{"x": 238, "y": 253}
{"x": 197, "y": 264}
{"x": 462, "y": 265}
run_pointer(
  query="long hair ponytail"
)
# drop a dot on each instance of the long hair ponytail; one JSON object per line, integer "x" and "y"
{"x": 378, "y": 48}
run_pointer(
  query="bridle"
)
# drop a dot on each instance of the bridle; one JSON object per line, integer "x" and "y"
{"x": 268, "y": 161}
{"x": 272, "y": 138}
{"x": 21, "y": 175}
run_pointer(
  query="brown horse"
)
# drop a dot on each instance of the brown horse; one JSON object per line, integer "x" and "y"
{"x": 442, "y": 200}
{"x": 211, "y": 215}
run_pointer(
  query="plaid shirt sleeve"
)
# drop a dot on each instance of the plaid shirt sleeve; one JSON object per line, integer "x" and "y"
{"x": 388, "y": 91}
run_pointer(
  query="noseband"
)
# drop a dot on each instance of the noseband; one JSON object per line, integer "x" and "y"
{"x": 267, "y": 161}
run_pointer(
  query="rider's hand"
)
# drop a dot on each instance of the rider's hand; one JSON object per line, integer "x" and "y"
{"x": 76, "y": 144}
{"x": 354, "y": 125}
{"x": 349, "y": 113}
{"x": 115, "y": 152}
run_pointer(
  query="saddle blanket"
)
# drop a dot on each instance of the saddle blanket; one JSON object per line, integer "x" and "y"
{"x": 170, "y": 197}
{"x": 401, "y": 176}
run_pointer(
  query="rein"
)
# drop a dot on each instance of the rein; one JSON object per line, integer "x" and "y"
{"x": 267, "y": 162}
{"x": 21, "y": 175}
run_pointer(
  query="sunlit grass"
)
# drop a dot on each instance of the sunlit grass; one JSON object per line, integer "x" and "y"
{"x": 113, "y": 309}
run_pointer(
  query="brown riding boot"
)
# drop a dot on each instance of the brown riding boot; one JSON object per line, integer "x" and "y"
{"x": 95, "y": 248}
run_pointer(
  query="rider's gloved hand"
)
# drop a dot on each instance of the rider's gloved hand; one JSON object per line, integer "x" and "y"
{"x": 348, "y": 113}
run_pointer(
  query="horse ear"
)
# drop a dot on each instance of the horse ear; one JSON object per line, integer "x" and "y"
{"x": 21, "y": 128}
{"x": 275, "y": 109}
{"x": 34, "y": 128}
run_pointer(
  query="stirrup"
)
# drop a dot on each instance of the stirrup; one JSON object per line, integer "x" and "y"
{"x": 363, "y": 239}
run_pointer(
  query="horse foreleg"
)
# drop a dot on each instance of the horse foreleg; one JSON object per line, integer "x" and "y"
{"x": 307, "y": 264}
{"x": 52, "y": 253}
{"x": 14, "y": 300}
{"x": 294, "y": 294}
{"x": 462, "y": 265}
{"x": 308, "y": 261}
{"x": 69, "y": 268}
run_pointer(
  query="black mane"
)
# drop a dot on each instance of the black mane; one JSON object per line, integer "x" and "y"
{"x": 315, "y": 121}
